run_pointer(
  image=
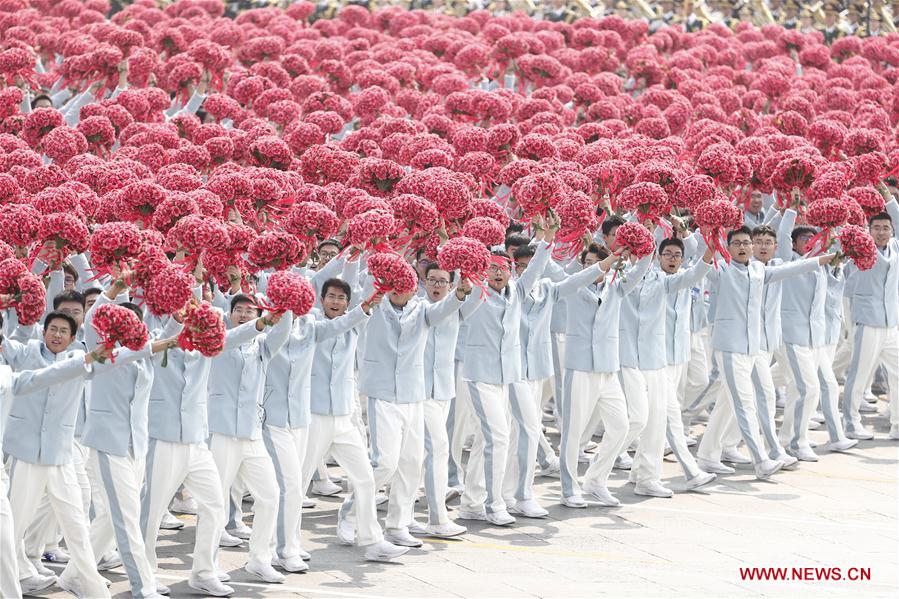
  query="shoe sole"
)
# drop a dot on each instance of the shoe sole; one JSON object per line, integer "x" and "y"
{"x": 532, "y": 516}
{"x": 573, "y": 506}
{"x": 602, "y": 502}
{"x": 317, "y": 494}
{"x": 444, "y": 535}
{"x": 208, "y": 592}
{"x": 262, "y": 578}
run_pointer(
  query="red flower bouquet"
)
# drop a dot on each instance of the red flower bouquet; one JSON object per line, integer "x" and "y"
{"x": 469, "y": 256}
{"x": 276, "y": 249}
{"x": 28, "y": 296}
{"x": 204, "y": 329}
{"x": 648, "y": 201}
{"x": 636, "y": 239}
{"x": 116, "y": 324}
{"x": 857, "y": 244}
{"x": 311, "y": 221}
{"x": 113, "y": 244}
{"x": 169, "y": 290}
{"x": 289, "y": 291}
{"x": 392, "y": 273}
{"x": 484, "y": 229}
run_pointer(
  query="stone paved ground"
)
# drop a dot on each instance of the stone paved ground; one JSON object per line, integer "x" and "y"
{"x": 841, "y": 511}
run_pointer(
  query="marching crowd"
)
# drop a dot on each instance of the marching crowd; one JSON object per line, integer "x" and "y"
{"x": 229, "y": 263}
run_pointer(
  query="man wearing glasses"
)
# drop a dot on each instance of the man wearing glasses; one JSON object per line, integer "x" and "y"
{"x": 737, "y": 345}
{"x": 875, "y": 311}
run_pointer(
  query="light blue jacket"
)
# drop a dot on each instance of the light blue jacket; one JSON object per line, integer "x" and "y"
{"x": 642, "y": 326}
{"x": 739, "y": 292}
{"x": 493, "y": 347}
{"x": 802, "y": 305}
{"x": 178, "y": 398}
{"x": 392, "y": 366}
{"x": 237, "y": 382}
{"x": 31, "y": 400}
{"x": 288, "y": 381}
{"x": 440, "y": 350}
{"x": 538, "y": 311}
{"x": 591, "y": 337}
{"x": 333, "y": 378}
{"x": 875, "y": 292}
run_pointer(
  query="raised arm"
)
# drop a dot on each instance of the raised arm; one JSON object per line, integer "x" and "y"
{"x": 237, "y": 336}
{"x": 437, "y": 313}
{"x": 29, "y": 381}
{"x": 277, "y": 336}
{"x": 572, "y": 283}
{"x": 629, "y": 281}
{"x": 784, "y": 230}
{"x": 687, "y": 278}
{"x": 326, "y": 328}
{"x": 791, "y": 269}
{"x": 535, "y": 267}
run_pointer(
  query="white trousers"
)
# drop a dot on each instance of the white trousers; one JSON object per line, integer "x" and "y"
{"x": 649, "y": 392}
{"x": 872, "y": 345}
{"x": 9, "y": 570}
{"x": 696, "y": 376}
{"x": 698, "y": 397}
{"x": 803, "y": 393}
{"x": 249, "y": 459}
{"x": 830, "y": 395}
{"x": 487, "y": 460}
{"x": 525, "y": 432}
{"x": 738, "y": 402}
{"x": 460, "y": 422}
{"x": 44, "y": 530}
{"x": 436, "y": 459}
{"x": 27, "y": 483}
{"x": 169, "y": 465}
{"x": 397, "y": 433}
{"x": 116, "y": 520}
{"x": 843, "y": 355}
{"x": 287, "y": 448}
{"x": 765, "y": 405}
{"x": 585, "y": 392}
{"x": 338, "y": 436}
{"x": 674, "y": 424}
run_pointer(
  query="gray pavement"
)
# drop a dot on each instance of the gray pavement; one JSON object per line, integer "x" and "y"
{"x": 838, "y": 512}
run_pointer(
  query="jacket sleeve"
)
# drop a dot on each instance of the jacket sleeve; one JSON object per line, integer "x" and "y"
{"x": 687, "y": 278}
{"x": 237, "y": 336}
{"x": 535, "y": 268}
{"x": 277, "y": 336}
{"x": 437, "y": 313}
{"x": 325, "y": 328}
{"x": 471, "y": 305}
{"x": 636, "y": 275}
{"x": 790, "y": 269}
{"x": 13, "y": 352}
{"x": 29, "y": 381}
{"x": 892, "y": 208}
{"x": 572, "y": 283}
{"x": 123, "y": 357}
{"x": 784, "y": 230}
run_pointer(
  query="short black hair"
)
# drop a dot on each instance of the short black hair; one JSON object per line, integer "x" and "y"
{"x": 91, "y": 291}
{"x": 55, "y": 315}
{"x": 513, "y": 228}
{"x": 134, "y": 308}
{"x": 329, "y": 241}
{"x": 676, "y": 242}
{"x": 595, "y": 248}
{"x": 610, "y": 223}
{"x": 501, "y": 253}
{"x": 518, "y": 240}
{"x": 881, "y": 216}
{"x": 762, "y": 230}
{"x": 68, "y": 296}
{"x": 40, "y": 97}
{"x": 744, "y": 230}
{"x": 801, "y": 230}
{"x": 436, "y": 266}
{"x": 243, "y": 298}
{"x": 525, "y": 251}
{"x": 339, "y": 284}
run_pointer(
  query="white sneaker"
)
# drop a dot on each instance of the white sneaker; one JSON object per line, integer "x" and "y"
{"x": 842, "y": 445}
{"x": 210, "y": 586}
{"x": 813, "y": 425}
{"x": 500, "y": 518}
{"x": 184, "y": 506}
{"x": 868, "y": 407}
{"x": 55, "y": 556}
{"x": 714, "y": 467}
{"x": 170, "y": 522}
{"x": 293, "y": 564}
{"x": 552, "y": 470}
{"x": 700, "y": 480}
{"x": 691, "y": 441}
{"x": 445, "y": 531}
{"x": 601, "y": 495}
{"x": 346, "y": 531}
{"x": 623, "y": 462}
{"x": 528, "y": 508}
{"x": 325, "y": 488}
{"x": 381, "y": 499}
{"x": 229, "y": 540}
{"x": 818, "y": 417}
{"x": 161, "y": 589}
{"x": 109, "y": 561}
{"x": 264, "y": 572}
{"x": 34, "y": 584}
{"x": 453, "y": 492}
{"x": 401, "y": 538}
{"x": 860, "y": 435}
{"x": 70, "y": 585}
{"x": 790, "y": 463}
{"x": 730, "y": 454}
{"x": 653, "y": 489}
{"x": 804, "y": 454}
{"x": 308, "y": 504}
{"x": 304, "y": 555}
{"x": 383, "y": 551}
{"x": 241, "y": 532}
{"x": 575, "y": 501}
{"x": 764, "y": 470}
{"x": 417, "y": 528}
{"x": 222, "y": 575}
{"x": 894, "y": 432}
{"x": 590, "y": 447}
{"x": 472, "y": 515}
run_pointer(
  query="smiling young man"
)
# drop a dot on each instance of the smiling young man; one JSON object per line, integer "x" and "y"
{"x": 875, "y": 312}
{"x": 737, "y": 345}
